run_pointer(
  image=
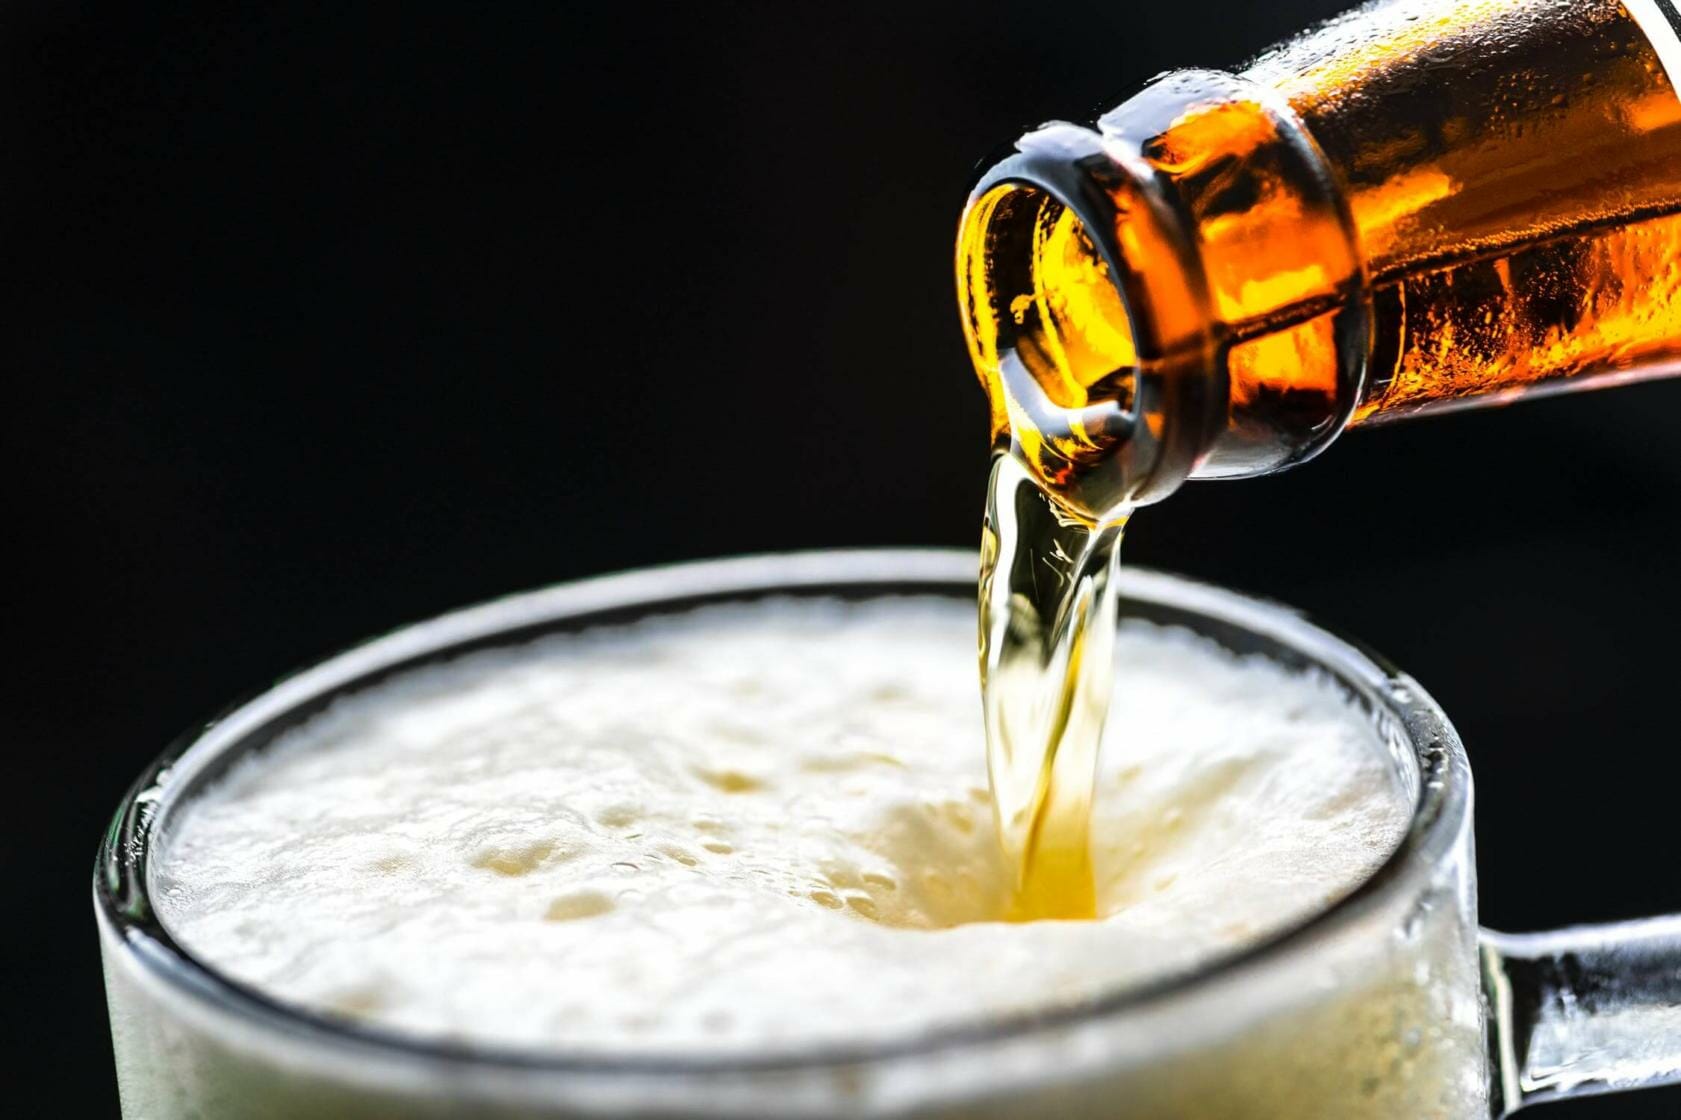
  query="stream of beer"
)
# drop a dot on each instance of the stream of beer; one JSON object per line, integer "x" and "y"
{"x": 1047, "y": 630}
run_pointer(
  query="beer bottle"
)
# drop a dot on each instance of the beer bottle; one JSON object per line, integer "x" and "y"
{"x": 1421, "y": 205}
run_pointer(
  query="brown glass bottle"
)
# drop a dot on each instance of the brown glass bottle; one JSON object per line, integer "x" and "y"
{"x": 1423, "y": 204}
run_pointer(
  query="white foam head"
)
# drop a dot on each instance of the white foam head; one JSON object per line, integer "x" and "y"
{"x": 755, "y": 826}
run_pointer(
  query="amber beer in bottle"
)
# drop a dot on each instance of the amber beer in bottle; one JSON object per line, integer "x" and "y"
{"x": 1421, "y": 205}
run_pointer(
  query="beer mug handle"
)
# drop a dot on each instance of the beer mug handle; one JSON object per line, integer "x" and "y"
{"x": 1583, "y": 1010}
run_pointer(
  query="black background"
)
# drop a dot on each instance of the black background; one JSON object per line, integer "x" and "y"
{"x": 320, "y": 319}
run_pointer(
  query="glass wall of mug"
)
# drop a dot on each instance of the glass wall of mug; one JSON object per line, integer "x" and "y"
{"x": 1372, "y": 1008}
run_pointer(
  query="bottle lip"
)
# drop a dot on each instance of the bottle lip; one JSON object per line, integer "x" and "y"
{"x": 1123, "y": 194}
{"x": 1177, "y": 379}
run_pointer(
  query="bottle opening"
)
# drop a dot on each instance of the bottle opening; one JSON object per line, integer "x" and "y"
{"x": 1048, "y": 331}
{"x": 1176, "y": 293}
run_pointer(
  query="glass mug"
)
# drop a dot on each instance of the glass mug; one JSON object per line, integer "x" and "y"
{"x": 1389, "y": 1003}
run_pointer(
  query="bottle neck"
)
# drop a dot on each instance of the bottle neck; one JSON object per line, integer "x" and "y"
{"x": 1175, "y": 293}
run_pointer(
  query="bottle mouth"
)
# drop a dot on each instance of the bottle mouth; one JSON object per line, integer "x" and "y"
{"x": 1086, "y": 316}
{"x": 1049, "y": 333}
{"x": 1175, "y": 292}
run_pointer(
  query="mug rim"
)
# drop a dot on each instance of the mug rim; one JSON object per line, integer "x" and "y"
{"x": 1440, "y": 815}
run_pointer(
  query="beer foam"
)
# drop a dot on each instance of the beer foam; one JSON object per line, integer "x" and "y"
{"x": 755, "y": 826}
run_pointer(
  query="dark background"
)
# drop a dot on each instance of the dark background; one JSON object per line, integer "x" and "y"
{"x": 322, "y": 319}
